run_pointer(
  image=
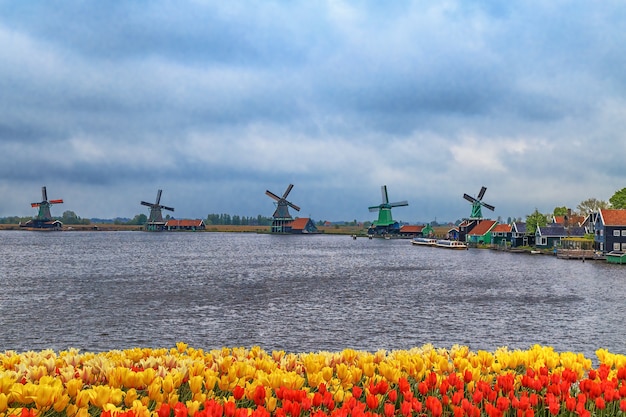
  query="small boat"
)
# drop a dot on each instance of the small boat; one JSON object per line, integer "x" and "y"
{"x": 450, "y": 244}
{"x": 616, "y": 257}
{"x": 423, "y": 241}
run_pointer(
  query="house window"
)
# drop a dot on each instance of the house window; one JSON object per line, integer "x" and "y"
{"x": 623, "y": 247}
{"x": 616, "y": 246}
{"x": 616, "y": 233}
{"x": 544, "y": 241}
{"x": 623, "y": 232}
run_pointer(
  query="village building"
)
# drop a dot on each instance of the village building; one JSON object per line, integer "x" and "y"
{"x": 481, "y": 233}
{"x": 610, "y": 230}
{"x": 416, "y": 230}
{"x": 520, "y": 235}
{"x": 184, "y": 224}
{"x": 502, "y": 235}
{"x": 550, "y": 236}
{"x": 301, "y": 225}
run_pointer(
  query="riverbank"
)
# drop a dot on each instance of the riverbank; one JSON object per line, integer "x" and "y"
{"x": 343, "y": 230}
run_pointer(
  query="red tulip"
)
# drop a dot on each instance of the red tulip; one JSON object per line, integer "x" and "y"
{"x": 371, "y": 401}
{"x": 238, "y": 392}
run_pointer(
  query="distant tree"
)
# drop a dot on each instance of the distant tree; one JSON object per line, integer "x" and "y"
{"x": 535, "y": 220}
{"x": 591, "y": 205}
{"x": 69, "y": 217}
{"x": 138, "y": 220}
{"x": 618, "y": 200}
{"x": 560, "y": 211}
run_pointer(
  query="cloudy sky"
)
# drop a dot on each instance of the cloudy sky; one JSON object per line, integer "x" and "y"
{"x": 216, "y": 101}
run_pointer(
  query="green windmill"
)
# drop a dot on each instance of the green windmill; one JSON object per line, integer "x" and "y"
{"x": 44, "y": 218}
{"x": 385, "y": 223}
{"x": 477, "y": 203}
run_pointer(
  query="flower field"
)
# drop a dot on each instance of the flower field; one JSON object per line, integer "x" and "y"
{"x": 242, "y": 382}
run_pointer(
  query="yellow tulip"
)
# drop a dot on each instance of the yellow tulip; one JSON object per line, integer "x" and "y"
{"x": 338, "y": 396}
{"x": 368, "y": 369}
{"x": 82, "y": 398}
{"x": 99, "y": 395}
{"x": 20, "y": 394}
{"x": 130, "y": 397}
{"x": 44, "y": 396}
{"x": 192, "y": 407}
{"x": 327, "y": 373}
{"x": 168, "y": 384}
{"x": 140, "y": 409}
{"x": 270, "y": 404}
{"x": 4, "y": 402}
{"x": 71, "y": 410}
{"x": 61, "y": 403}
{"x": 210, "y": 379}
{"x": 315, "y": 379}
{"x": 83, "y": 412}
{"x": 195, "y": 383}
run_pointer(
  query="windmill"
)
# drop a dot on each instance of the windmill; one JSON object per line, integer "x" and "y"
{"x": 44, "y": 206}
{"x": 44, "y": 217}
{"x": 385, "y": 223}
{"x": 155, "y": 221}
{"x": 477, "y": 203}
{"x": 281, "y": 216}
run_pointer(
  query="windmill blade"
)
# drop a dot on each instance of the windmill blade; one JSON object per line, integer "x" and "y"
{"x": 469, "y": 198}
{"x": 167, "y": 208}
{"x": 288, "y": 190}
{"x": 293, "y": 206}
{"x": 35, "y": 204}
{"x": 44, "y": 194}
{"x": 271, "y": 194}
{"x": 145, "y": 203}
{"x": 400, "y": 204}
{"x": 481, "y": 194}
{"x": 383, "y": 190}
{"x": 60, "y": 201}
{"x": 489, "y": 206}
{"x": 374, "y": 208}
{"x": 158, "y": 199}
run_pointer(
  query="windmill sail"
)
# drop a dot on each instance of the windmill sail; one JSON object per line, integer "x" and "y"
{"x": 477, "y": 203}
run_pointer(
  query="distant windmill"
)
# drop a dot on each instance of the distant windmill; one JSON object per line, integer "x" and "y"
{"x": 281, "y": 215}
{"x": 477, "y": 203}
{"x": 385, "y": 223}
{"x": 44, "y": 206}
{"x": 44, "y": 218}
{"x": 155, "y": 221}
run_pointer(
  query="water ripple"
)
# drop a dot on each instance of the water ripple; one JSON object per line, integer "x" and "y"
{"x": 113, "y": 290}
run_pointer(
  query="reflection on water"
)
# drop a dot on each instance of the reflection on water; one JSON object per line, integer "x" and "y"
{"x": 113, "y": 290}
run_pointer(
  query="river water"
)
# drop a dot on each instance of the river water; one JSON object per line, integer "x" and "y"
{"x": 99, "y": 291}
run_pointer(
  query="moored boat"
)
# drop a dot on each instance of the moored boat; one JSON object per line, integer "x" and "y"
{"x": 423, "y": 241}
{"x": 450, "y": 244}
{"x": 616, "y": 257}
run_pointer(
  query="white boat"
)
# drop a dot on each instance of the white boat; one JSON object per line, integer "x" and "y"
{"x": 450, "y": 244}
{"x": 423, "y": 241}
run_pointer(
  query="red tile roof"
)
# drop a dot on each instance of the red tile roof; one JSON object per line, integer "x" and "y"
{"x": 411, "y": 229}
{"x": 502, "y": 228}
{"x": 483, "y": 227}
{"x": 299, "y": 223}
{"x": 183, "y": 223}
{"x": 574, "y": 219}
{"x": 613, "y": 217}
